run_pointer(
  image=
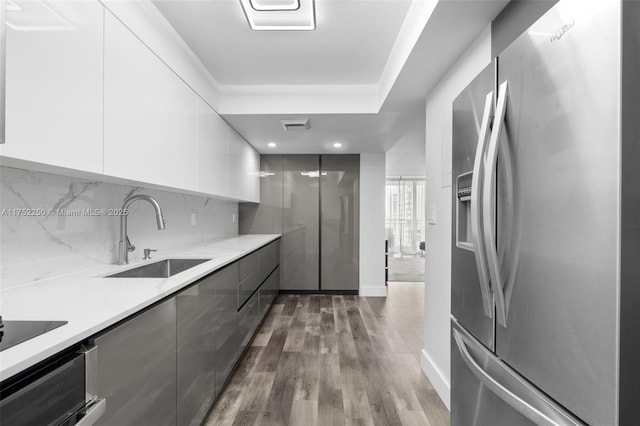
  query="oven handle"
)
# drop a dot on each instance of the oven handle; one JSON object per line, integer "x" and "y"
{"x": 94, "y": 411}
{"x": 90, "y": 353}
{"x": 96, "y": 406}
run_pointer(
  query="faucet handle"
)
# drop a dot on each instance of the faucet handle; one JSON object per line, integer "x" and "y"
{"x": 130, "y": 247}
{"x": 147, "y": 253}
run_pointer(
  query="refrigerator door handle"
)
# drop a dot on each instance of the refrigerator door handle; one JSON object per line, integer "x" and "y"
{"x": 489, "y": 206}
{"x": 476, "y": 209}
{"x": 512, "y": 389}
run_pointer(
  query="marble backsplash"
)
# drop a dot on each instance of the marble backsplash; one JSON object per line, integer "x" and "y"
{"x": 71, "y": 239}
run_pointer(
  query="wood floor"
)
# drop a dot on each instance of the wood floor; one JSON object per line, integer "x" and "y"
{"x": 335, "y": 360}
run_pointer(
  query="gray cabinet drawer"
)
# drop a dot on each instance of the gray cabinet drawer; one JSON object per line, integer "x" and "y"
{"x": 249, "y": 277}
{"x": 268, "y": 258}
{"x": 226, "y": 318}
{"x": 269, "y": 290}
{"x": 255, "y": 268}
{"x": 248, "y": 320}
{"x": 248, "y": 266}
{"x": 137, "y": 369}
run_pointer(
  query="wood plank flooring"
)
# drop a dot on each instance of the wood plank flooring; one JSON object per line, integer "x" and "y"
{"x": 335, "y": 360}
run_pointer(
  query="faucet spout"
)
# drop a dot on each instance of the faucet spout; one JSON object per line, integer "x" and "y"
{"x": 124, "y": 245}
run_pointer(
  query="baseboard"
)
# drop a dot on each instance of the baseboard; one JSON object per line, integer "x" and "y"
{"x": 438, "y": 380}
{"x": 373, "y": 291}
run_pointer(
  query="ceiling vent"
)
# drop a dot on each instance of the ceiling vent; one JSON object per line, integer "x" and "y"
{"x": 296, "y": 125}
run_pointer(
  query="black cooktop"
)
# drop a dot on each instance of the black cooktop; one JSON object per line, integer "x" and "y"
{"x": 14, "y": 332}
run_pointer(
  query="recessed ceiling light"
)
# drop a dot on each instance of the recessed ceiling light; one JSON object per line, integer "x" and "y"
{"x": 265, "y": 15}
{"x": 271, "y": 144}
{"x": 337, "y": 145}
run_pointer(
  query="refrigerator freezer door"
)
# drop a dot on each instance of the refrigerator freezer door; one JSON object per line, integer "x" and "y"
{"x": 558, "y": 207}
{"x": 486, "y": 392}
{"x": 466, "y": 294}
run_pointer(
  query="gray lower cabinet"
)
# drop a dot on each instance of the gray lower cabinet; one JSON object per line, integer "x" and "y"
{"x": 137, "y": 369}
{"x": 197, "y": 335}
{"x": 167, "y": 365}
{"x": 255, "y": 268}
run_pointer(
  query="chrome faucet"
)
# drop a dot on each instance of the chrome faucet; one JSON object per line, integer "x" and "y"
{"x": 125, "y": 246}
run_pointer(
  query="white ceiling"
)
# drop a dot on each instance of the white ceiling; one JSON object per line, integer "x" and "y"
{"x": 357, "y": 133}
{"x": 361, "y": 77}
{"x": 350, "y": 44}
{"x": 452, "y": 27}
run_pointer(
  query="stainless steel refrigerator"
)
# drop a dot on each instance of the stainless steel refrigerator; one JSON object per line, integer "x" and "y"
{"x": 545, "y": 325}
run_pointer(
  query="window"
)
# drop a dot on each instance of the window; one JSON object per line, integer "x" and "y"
{"x": 405, "y": 214}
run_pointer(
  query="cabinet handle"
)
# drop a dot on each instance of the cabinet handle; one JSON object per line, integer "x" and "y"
{"x": 3, "y": 70}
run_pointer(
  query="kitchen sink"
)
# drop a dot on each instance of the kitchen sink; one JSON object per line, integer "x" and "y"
{"x": 161, "y": 269}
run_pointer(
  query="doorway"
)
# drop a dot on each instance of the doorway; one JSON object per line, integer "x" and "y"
{"x": 405, "y": 232}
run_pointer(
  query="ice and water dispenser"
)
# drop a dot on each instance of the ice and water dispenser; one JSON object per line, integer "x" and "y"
{"x": 463, "y": 211}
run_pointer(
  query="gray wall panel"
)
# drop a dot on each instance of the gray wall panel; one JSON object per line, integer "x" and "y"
{"x": 340, "y": 222}
{"x": 292, "y": 205}
{"x": 300, "y": 240}
{"x": 630, "y": 218}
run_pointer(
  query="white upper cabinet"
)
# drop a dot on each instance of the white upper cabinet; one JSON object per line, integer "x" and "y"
{"x": 150, "y": 115}
{"x": 85, "y": 93}
{"x": 251, "y": 178}
{"x": 227, "y": 165}
{"x": 54, "y": 83}
{"x": 213, "y": 154}
{"x": 244, "y": 168}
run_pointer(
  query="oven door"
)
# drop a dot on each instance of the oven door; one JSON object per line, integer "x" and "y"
{"x": 53, "y": 394}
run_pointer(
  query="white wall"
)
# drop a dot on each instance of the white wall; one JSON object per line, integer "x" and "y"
{"x": 372, "y": 211}
{"x": 435, "y": 355}
{"x": 407, "y": 156}
{"x": 40, "y": 247}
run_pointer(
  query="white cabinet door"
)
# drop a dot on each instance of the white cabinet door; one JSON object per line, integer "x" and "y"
{"x": 244, "y": 165}
{"x": 252, "y": 174}
{"x": 213, "y": 165}
{"x": 235, "y": 167}
{"x": 54, "y": 83}
{"x": 150, "y": 115}
{"x": 227, "y": 165}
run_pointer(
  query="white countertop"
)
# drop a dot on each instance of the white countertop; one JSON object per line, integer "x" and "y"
{"x": 91, "y": 303}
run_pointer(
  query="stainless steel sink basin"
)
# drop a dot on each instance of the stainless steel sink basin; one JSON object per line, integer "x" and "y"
{"x": 162, "y": 269}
